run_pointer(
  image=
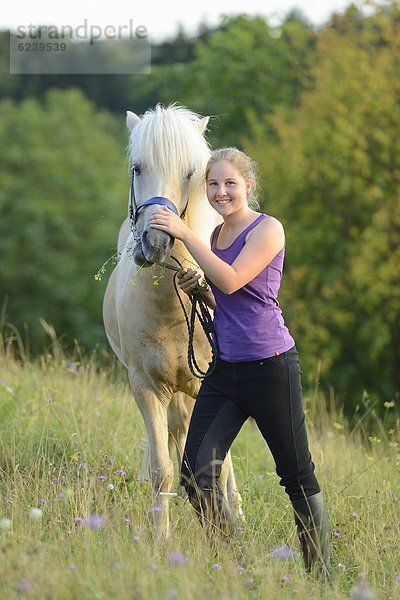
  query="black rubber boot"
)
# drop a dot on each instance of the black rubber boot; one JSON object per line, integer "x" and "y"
{"x": 313, "y": 529}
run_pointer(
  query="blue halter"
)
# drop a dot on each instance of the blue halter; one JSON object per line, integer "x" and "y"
{"x": 156, "y": 200}
{"x": 134, "y": 209}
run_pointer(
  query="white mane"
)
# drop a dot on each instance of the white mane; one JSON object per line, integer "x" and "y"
{"x": 167, "y": 141}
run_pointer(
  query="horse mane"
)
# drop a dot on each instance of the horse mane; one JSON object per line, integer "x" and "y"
{"x": 167, "y": 141}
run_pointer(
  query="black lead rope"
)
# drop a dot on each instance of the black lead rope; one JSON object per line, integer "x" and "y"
{"x": 199, "y": 309}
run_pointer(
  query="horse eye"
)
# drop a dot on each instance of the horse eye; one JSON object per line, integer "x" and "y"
{"x": 189, "y": 176}
{"x": 137, "y": 170}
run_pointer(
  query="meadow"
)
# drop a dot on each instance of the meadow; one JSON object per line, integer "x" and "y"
{"x": 75, "y": 521}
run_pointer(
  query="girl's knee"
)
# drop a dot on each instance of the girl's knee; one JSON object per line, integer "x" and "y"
{"x": 301, "y": 487}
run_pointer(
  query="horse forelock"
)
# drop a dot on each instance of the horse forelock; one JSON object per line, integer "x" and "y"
{"x": 167, "y": 142}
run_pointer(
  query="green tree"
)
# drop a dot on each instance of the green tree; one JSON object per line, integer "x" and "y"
{"x": 63, "y": 194}
{"x": 245, "y": 68}
{"x": 331, "y": 173}
{"x": 116, "y": 93}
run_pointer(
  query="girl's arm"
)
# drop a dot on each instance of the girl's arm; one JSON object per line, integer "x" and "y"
{"x": 264, "y": 243}
{"x": 209, "y": 299}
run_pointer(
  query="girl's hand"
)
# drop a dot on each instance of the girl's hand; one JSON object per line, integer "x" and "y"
{"x": 188, "y": 280}
{"x": 165, "y": 220}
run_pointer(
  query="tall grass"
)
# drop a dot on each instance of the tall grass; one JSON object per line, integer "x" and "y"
{"x": 71, "y": 440}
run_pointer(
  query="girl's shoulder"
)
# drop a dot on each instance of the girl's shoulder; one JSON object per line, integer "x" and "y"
{"x": 269, "y": 225}
{"x": 269, "y": 218}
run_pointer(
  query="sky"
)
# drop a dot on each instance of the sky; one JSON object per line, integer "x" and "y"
{"x": 160, "y": 17}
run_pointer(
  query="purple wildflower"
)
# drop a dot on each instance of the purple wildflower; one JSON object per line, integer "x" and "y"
{"x": 128, "y": 521}
{"x": 155, "y": 509}
{"x": 283, "y": 553}
{"x": 337, "y": 534}
{"x": 177, "y": 558}
{"x": 398, "y": 578}
{"x": 355, "y": 515}
{"x": 240, "y": 569}
{"x": 120, "y": 472}
{"x": 23, "y": 586}
{"x": 95, "y": 522}
{"x": 82, "y": 465}
{"x": 42, "y": 501}
{"x": 72, "y": 566}
{"x": 79, "y": 520}
{"x": 136, "y": 538}
{"x": 285, "y": 579}
{"x": 103, "y": 477}
{"x": 216, "y": 567}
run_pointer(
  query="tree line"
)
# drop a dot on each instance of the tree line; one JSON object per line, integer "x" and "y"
{"x": 319, "y": 111}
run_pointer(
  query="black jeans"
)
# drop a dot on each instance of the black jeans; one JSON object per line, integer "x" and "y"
{"x": 268, "y": 390}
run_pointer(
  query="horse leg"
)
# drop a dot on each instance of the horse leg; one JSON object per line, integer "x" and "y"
{"x": 179, "y": 410}
{"x": 145, "y": 466}
{"x": 229, "y": 487}
{"x": 179, "y": 413}
{"x": 154, "y": 413}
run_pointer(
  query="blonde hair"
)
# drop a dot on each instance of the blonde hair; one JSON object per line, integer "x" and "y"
{"x": 245, "y": 165}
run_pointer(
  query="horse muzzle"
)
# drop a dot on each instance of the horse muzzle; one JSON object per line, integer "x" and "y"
{"x": 139, "y": 257}
{"x": 154, "y": 247}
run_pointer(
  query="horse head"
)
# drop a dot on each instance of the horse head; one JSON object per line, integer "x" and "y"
{"x": 168, "y": 155}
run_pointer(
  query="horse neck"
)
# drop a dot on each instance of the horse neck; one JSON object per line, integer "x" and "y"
{"x": 202, "y": 219}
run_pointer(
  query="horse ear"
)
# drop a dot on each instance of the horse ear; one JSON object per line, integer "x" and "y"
{"x": 202, "y": 124}
{"x": 131, "y": 119}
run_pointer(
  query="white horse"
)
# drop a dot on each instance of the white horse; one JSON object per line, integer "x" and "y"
{"x": 144, "y": 322}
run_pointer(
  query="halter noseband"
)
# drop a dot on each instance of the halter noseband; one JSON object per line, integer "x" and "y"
{"x": 134, "y": 209}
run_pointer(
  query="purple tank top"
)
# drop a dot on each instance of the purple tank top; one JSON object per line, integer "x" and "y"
{"x": 249, "y": 323}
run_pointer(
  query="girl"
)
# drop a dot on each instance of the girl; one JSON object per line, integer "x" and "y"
{"x": 257, "y": 373}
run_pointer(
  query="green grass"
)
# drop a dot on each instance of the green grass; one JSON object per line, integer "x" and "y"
{"x": 65, "y": 427}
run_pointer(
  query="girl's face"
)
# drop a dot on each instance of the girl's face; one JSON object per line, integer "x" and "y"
{"x": 227, "y": 190}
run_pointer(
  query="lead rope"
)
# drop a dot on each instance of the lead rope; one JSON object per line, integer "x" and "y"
{"x": 199, "y": 309}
